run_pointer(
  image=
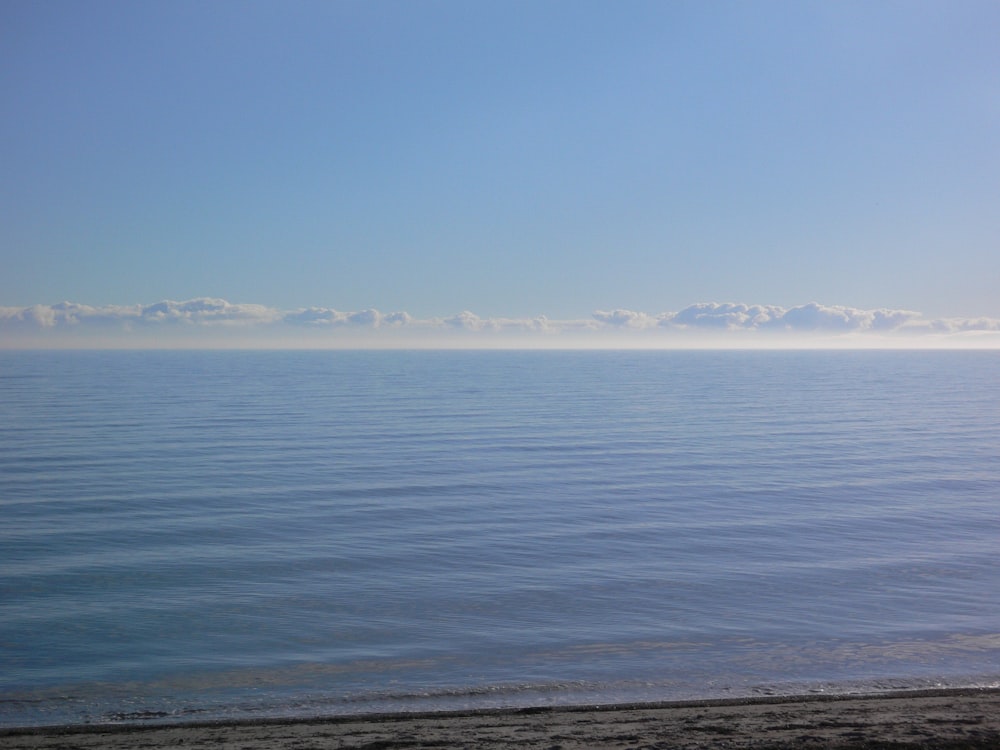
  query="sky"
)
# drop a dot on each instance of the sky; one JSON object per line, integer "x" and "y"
{"x": 439, "y": 165}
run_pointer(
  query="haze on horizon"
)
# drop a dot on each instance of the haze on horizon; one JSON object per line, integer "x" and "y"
{"x": 392, "y": 173}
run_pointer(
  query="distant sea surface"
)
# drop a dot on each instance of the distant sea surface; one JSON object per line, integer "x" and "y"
{"x": 203, "y": 535}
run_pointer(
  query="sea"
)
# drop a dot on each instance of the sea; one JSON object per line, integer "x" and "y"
{"x": 207, "y": 535}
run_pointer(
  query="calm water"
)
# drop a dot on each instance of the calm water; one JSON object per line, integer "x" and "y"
{"x": 192, "y": 535}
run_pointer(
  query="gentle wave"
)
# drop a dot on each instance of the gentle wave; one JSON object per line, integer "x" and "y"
{"x": 196, "y": 532}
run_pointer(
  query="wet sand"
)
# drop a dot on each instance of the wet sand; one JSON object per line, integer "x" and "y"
{"x": 926, "y": 719}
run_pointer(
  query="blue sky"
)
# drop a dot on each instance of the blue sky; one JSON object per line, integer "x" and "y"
{"x": 509, "y": 159}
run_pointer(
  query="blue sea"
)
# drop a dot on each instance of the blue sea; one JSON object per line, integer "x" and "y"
{"x": 191, "y": 535}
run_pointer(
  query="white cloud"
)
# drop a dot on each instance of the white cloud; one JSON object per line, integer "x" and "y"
{"x": 954, "y": 325}
{"x": 624, "y": 318}
{"x": 64, "y": 314}
{"x": 365, "y": 318}
{"x": 809, "y": 317}
{"x": 723, "y": 315}
{"x": 314, "y": 316}
{"x": 814, "y": 317}
{"x": 326, "y": 316}
{"x": 465, "y": 320}
{"x": 468, "y": 321}
{"x": 397, "y": 319}
{"x": 719, "y": 323}
{"x": 206, "y": 310}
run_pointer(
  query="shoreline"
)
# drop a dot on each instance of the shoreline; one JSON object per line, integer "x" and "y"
{"x": 937, "y": 718}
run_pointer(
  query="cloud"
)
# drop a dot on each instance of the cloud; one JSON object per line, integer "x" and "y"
{"x": 205, "y": 310}
{"x": 469, "y": 321}
{"x": 957, "y": 325}
{"x": 63, "y": 314}
{"x": 810, "y": 317}
{"x": 314, "y": 316}
{"x": 326, "y": 316}
{"x": 397, "y": 319}
{"x": 212, "y": 320}
{"x": 816, "y": 317}
{"x": 624, "y": 318}
{"x": 465, "y": 321}
{"x": 725, "y": 315}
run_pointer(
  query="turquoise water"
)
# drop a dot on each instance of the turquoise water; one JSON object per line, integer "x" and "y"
{"x": 194, "y": 535}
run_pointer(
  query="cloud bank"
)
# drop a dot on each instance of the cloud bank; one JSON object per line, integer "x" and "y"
{"x": 216, "y": 322}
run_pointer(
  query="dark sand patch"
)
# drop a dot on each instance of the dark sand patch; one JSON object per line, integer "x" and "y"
{"x": 946, "y": 719}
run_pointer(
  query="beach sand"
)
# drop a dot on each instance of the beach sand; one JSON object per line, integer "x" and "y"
{"x": 968, "y": 718}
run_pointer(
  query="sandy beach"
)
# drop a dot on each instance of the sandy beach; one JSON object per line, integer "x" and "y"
{"x": 967, "y": 718}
